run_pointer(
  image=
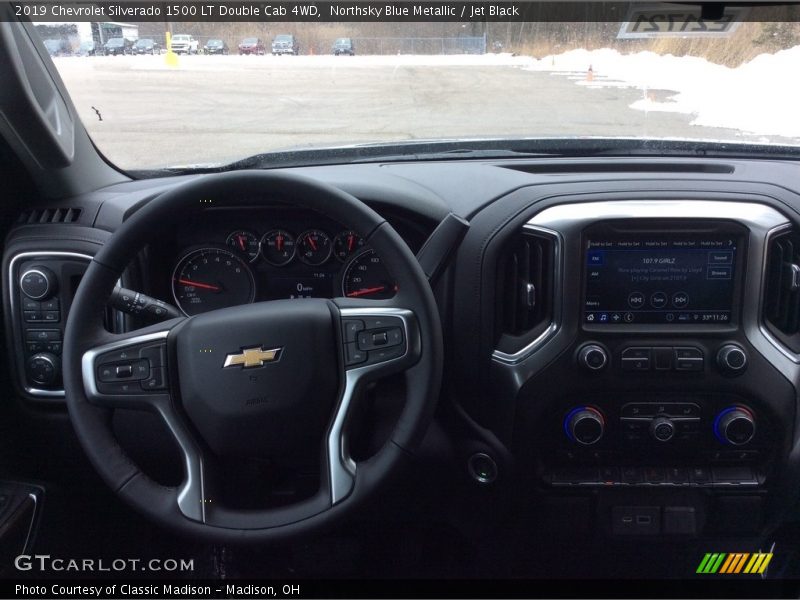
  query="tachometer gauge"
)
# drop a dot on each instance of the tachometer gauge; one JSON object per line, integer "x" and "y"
{"x": 278, "y": 247}
{"x": 346, "y": 244}
{"x": 244, "y": 242}
{"x": 314, "y": 247}
{"x": 366, "y": 277}
{"x": 212, "y": 278}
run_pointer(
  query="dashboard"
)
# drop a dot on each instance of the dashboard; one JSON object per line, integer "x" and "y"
{"x": 622, "y": 335}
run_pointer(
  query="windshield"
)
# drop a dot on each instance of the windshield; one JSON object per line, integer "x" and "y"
{"x": 144, "y": 43}
{"x": 116, "y": 42}
{"x": 611, "y": 75}
{"x": 214, "y": 43}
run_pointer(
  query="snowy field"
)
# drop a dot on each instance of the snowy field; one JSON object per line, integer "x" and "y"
{"x": 215, "y": 109}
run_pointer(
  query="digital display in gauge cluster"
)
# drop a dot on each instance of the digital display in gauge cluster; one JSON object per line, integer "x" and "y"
{"x": 278, "y": 262}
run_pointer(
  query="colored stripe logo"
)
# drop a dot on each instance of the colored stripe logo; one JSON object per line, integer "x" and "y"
{"x": 734, "y": 563}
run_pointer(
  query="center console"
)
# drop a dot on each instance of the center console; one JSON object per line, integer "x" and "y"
{"x": 656, "y": 386}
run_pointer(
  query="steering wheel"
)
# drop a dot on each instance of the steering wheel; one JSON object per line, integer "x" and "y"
{"x": 253, "y": 380}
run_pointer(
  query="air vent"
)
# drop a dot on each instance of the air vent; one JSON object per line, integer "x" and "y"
{"x": 782, "y": 291}
{"x": 49, "y": 215}
{"x": 524, "y": 293}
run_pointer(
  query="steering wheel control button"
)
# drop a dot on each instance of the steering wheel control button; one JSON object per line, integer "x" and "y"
{"x": 735, "y": 426}
{"x": 732, "y": 359}
{"x": 155, "y": 355}
{"x": 350, "y": 329}
{"x": 636, "y": 359}
{"x": 123, "y": 371}
{"x": 156, "y": 381}
{"x": 593, "y": 357}
{"x": 354, "y": 355}
{"x": 689, "y": 359}
{"x": 38, "y": 283}
{"x": 44, "y": 368}
{"x": 584, "y": 425}
{"x": 384, "y": 354}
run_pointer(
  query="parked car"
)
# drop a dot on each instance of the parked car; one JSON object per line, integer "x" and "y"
{"x": 146, "y": 46}
{"x": 116, "y": 46}
{"x": 88, "y": 48}
{"x": 252, "y": 46}
{"x": 215, "y": 47}
{"x": 344, "y": 46}
{"x": 183, "y": 43}
{"x": 57, "y": 47}
{"x": 285, "y": 44}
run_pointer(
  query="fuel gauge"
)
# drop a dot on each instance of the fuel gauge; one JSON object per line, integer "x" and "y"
{"x": 346, "y": 244}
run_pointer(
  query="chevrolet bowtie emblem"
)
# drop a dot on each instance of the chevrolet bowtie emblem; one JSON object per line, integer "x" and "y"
{"x": 252, "y": 357}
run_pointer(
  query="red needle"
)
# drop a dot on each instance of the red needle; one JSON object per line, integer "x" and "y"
{"x": 366, "y": 291}
{"x": 241, "y": 241}
{"x": 313, "y": 243}
{"x": 205, "y": 286}
{"x": 350, "y": 242}
{"x": 279, "y": 243}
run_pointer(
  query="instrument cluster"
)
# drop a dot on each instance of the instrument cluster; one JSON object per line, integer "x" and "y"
{"x": 246, "y": 265}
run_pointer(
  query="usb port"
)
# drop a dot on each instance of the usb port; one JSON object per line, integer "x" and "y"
{"x": 627, "y": 519}
{"x": 643, "y": 519}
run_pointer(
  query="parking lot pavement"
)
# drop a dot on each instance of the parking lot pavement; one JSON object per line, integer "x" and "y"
{"x": 215, "y": 109}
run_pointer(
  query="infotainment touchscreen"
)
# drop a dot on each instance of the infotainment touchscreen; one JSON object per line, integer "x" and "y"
{"x": 659, "y": 280}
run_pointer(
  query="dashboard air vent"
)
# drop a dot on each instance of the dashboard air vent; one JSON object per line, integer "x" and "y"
{"x": 524, "y": 292}
{"x": 35, "y": 216}
{"x": 782, "y": 291}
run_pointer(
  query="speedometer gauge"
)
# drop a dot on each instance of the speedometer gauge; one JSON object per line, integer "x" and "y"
{"x": 211, "y": 278}
{"x": 366, "y": 277}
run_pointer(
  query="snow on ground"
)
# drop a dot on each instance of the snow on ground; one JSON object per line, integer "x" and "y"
{"x": 760, "y": 97}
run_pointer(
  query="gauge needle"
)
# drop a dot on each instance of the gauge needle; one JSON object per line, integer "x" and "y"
{"x": 313, "y": 243}
{"x": 205, "y": 286}
{"x": 279, "y": 243}
{"x": 366, "y": 291}
{"x": 350, "y": 242}
{"x": 241, "y": 241}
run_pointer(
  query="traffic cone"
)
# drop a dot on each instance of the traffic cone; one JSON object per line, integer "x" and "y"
{"x": 590, "y": 74}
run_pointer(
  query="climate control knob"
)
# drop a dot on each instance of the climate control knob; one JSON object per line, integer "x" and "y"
{"x": 38, "y": 283}
{"x": 735, "y": 425}
{"x": 584, "y": 425}
{"x": 732, "y": 359}
{"x": 593, "y": 357}
{"x": 662, "y": 429}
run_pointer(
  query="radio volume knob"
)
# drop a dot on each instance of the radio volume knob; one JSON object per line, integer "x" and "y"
{"x": 38, "y": 283}
{"x": 732, "y": 359}
{"x": 584, "y": 425}
{"x": 735, "y": 425}
{"x": 662, "y": 429}
{"x": 593, "y": 357}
